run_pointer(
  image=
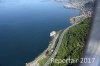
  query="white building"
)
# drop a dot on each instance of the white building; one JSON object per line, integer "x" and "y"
{"x": 53, "y": 34}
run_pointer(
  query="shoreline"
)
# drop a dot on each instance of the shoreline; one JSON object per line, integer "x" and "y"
{"x": 73, "y": 20}
{"x": 42, "y": 56}
{"x": 51, "y": 46}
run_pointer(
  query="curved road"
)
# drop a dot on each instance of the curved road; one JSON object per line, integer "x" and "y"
{"x": 58, "y": 45}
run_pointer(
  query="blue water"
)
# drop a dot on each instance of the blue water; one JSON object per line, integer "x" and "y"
{"x": 25, "y": 26}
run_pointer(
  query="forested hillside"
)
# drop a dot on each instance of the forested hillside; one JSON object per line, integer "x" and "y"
{"x": 73, "y": 43}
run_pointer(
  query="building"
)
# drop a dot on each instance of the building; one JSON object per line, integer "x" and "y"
{"x": 53, "y": 34}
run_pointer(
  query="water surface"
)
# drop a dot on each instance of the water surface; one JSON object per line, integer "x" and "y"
{"x": 25, "y": 26}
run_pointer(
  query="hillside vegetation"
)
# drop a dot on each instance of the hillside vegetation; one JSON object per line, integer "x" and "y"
{"x": 73, "y": 43}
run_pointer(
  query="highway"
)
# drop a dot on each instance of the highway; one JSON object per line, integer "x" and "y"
{"x": 58, "y": 45}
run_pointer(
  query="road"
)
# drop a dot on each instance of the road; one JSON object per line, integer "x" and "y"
{"x": 39, "y": 58}
{"x": 58, "y": 45}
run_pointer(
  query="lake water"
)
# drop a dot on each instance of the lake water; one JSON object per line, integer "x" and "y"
{"x": 25, "y": 26}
